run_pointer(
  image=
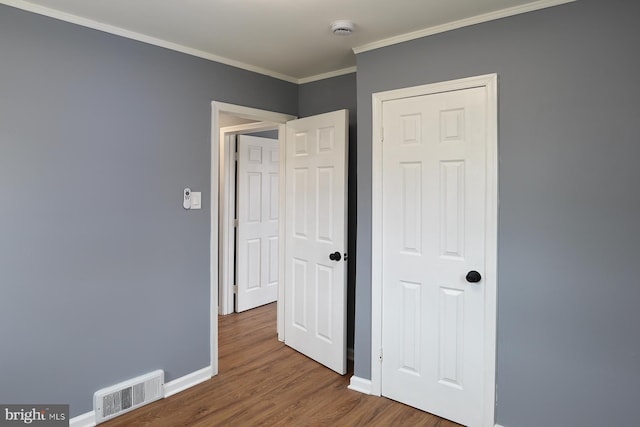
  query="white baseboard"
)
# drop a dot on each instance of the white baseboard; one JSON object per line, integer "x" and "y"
{"x": 84, "y": 420}
{"x": 170, "y": 388}
{"x": 188, "y": 381}
{"x": 360, "y": 385}
{"x": 498, "y": 425}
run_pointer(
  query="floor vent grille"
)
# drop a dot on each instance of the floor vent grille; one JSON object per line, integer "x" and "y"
{"x": 121, "y": 398}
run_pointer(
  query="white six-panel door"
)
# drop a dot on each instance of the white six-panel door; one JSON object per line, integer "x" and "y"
{"x": 257, "y": 210}
{"x": 316, "y": 194}
{"x": 433, "y": 234}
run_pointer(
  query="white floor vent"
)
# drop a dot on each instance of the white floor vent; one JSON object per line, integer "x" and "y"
{"x": 116, "y": 400}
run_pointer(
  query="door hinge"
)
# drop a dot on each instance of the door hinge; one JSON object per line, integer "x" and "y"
{"x": 236, "y": 223}
{"x": 235, "y": 156}
{"x": 235, "y": 289}
{"x": 380, "y": 355}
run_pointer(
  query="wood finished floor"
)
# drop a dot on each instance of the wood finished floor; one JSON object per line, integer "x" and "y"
{"x": 262, "y": 382}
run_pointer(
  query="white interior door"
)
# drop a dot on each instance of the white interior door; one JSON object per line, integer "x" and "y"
{"x": 316, "y": 237}
{"x": 433, "y": 234}
{"x": 257, "y": 209}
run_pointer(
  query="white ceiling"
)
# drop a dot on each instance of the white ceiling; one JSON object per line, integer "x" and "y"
{"x": 288, "y": 39}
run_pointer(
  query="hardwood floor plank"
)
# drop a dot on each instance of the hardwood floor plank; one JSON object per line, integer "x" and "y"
{"x": 262, "y": 382}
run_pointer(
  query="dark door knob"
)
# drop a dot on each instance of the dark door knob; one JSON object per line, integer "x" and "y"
{"x": 473, "y": 277}
{"x": 335, "y": 256}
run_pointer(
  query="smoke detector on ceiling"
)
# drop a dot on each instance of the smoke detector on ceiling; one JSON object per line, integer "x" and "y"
{"x": 342, "y": 28}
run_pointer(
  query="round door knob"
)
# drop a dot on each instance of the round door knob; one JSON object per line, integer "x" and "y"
{"x": 335, "y": 256}
{"x": 473, "y": 277}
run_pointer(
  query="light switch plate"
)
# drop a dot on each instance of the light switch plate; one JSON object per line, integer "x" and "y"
{"x": 196, "y": 200}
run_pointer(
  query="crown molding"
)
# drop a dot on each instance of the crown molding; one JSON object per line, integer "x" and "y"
{"x": 327, "y": 75}
{"x": 96, "y": 25}
{"x": 111, "y": 29}
{"x": 478, "y": 19}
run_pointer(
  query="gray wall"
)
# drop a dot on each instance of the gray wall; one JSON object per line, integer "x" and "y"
{"x": 103, "y": 275}
{"x": 568, "y": 287}
{"x": 323, "y": 96}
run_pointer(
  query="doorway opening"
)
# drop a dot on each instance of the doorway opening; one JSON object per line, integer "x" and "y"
{"x": 312, "y": 224}
{"x": 227, "y": 119}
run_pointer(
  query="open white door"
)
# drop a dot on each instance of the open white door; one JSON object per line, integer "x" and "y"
{"x": 257, "y": 202}
{"x": 316, "y": 238}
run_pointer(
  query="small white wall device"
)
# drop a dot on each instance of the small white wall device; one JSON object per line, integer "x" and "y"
{"x": 186, "y": 203}
{"x": 191, "y": 199}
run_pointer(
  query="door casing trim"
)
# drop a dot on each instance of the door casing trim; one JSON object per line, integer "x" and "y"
{"x": 490, "y": 82}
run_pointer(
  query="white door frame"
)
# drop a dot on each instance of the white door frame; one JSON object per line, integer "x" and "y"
{"x": 216, "y": 249}
{"x": 490, "y": 82}
{"x": 227, "y": 203}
